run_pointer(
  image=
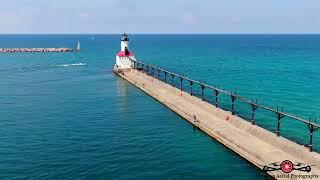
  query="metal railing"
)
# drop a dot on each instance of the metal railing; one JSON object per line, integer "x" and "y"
{"x": 156, "y": 73}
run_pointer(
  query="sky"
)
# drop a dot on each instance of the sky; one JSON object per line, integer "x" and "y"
{"x": 159, "y": 16}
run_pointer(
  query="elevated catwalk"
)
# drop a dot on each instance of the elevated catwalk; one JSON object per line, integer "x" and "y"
{"x": 255, "y": 144}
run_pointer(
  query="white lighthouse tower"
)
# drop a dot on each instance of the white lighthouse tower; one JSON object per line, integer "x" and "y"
{"x": 124, "y": 57}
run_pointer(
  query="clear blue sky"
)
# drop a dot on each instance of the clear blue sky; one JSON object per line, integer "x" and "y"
{"x": 160, "y": 16}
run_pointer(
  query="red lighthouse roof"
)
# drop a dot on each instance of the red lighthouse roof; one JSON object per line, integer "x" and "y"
{"x": 122, "y": 53}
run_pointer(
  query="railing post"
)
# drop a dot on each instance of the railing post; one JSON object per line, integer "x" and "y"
{"x": 202, "y": 89}
{"x": 253, "y": 107}
{"x": 191, "y": 88}
{"x": 233, "y": 98}
{"x": 278, "y": 129}
{"x": 172, "y": 79}
{"x": 216, "y": 97}
{"x": 311, "y": 129}
{"x": 180, "y": 83}
{"x": 158, "y": 73}
{"x": 279, "y": 117}
{"x": 165, "y": 76}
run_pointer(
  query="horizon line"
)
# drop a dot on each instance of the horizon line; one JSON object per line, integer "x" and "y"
{"x": 161, "y": 33}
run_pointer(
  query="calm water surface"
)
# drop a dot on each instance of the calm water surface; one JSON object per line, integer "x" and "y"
{"x": 67, "y": 116}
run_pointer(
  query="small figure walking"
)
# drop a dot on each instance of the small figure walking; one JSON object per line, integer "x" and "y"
{"x": 195, "y": 118}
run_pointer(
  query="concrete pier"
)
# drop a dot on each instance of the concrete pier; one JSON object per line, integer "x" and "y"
{"x": 253, "y": 143}
{"x": 14, "y": 50}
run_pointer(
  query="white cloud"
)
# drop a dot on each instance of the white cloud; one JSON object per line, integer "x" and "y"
{"x": 84, "y": 14}
{"x": 189, "y": 19}
{"x": 137, "y": 16}
{"x": 235, "y": 19}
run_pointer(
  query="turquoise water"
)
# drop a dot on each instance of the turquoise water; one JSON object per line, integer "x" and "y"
{"x": 67, "y": 116}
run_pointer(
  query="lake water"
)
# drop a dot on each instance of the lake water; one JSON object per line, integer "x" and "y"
{"x": 67, "y": 116}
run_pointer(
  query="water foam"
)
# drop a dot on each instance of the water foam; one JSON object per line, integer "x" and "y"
{"x": 73, "y": 64}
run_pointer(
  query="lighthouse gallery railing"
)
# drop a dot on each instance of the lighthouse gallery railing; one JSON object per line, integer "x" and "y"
{"x": 156, "y": 73}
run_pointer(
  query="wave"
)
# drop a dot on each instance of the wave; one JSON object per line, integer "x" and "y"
{"x": 12, "y": 71}
{"x": 73, "y": 64}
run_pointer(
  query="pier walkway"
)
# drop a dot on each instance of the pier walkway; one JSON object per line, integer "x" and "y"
{"x": 255, "y": 144}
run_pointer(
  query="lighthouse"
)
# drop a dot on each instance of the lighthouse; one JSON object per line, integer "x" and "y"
{"x": 124, "y": 57}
